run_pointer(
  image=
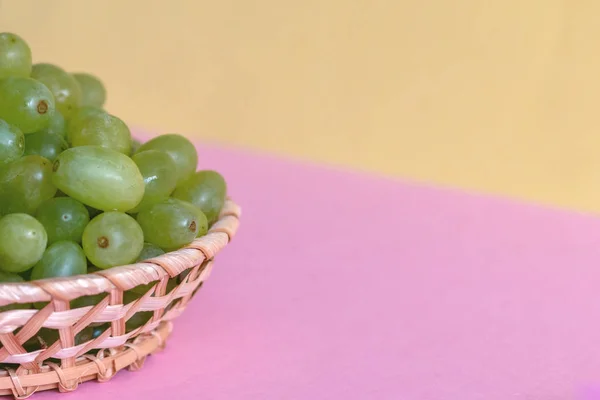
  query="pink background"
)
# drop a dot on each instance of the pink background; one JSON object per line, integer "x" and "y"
{"x": 346, "y": 286}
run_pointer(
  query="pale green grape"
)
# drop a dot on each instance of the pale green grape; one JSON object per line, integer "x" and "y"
{"x": 181, "y": 150}
{"x": 57, "y": 125}
{"x": 79, "y": 115}
{"x": 111, "y": 239}
{"x": 12, "y": 143}
{"x": 26, "y": 104}
{"x": 99, "y": 177}
{"x": 23, "y": 242}
{"x": 158, "y": 170}
{"x": 150, "y": 251}
{"x": 202, "y": 220}
{"x": 25, "y": 184}
{"x": 62, "y": 258}
{"x": 101, "y": 130}
{"x": 6, "y": 277}
{"x": 63, "y": 86}
{"x": 63, "y": 218}
{"x": 93, "y": 92}
{"x": 169, "y": 225}
{"x": 45, "y": 144}
{"x": 15, "y": 56}
{"x": 206, "y": 190}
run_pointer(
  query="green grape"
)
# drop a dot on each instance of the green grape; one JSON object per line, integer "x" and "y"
{"x": 79, "y": 115}
{"x": 87, "y": 301}
{"x": 46, "y": 337}
{"x": 206, "y": 190}
{"x": 15, "y": 56}
{"x": 25, "y": 184}
{"x": 143, "y": 289}
{"x": 158, "y": 170}
{"x": 149, "y": 251}
{"x": 202, "y": 221}
{"x": 26, "y": 104}
{"x": 62, "y": 258}
{"x": 23, "y": 242}
{"x": 12, "y": 143}
{"x": 101, "y": 130}
{"x": 135, "y": 145}
{"x": 7, "y": 277}
{"x": 63, "y": 218}
{"x": 138, "y": 319}
{"x": 111, "y": 239}
{"x": 63, "y": 86}
{"x": 57, "y": 125}
{"x": 93, "y": 92}
{"x": 169, "y": 225}
{"x": 99, "y": 177}
{"x": 44, "y": 144}
{"x": 181, "y": 150}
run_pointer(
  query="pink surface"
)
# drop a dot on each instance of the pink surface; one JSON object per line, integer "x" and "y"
{"x": 341, "y": 286}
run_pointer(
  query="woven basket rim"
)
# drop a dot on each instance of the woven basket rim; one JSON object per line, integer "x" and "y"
{"x": 128, "y": 276}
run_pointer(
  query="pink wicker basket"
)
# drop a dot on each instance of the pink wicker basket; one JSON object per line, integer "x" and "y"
{"x": 114, "y": 349}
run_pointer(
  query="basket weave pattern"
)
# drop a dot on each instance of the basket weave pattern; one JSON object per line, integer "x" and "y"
{"x": 116, "y": 348}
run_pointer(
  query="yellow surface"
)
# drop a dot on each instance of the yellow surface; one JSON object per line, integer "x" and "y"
{"x": 500, "y": 96}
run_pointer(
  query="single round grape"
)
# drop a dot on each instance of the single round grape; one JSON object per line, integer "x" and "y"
{"x": 206, "y": 190}
{"x": 12, "y": 143}
{"x": 63, "y": 218}
{"x": 99, "y": 177}
{"x": 79, "y": 115}
{"x": 103, "y": 130}
{"x": 149, "y": 251}
{"x": 169, "y": 225}
{"x": 202, "y": 220}
{"x": 7, "y": 277}
{"x": 62, "y": 258}
{"x": 45, "y": 144}
{"x": 93, "y": 92}
{"x": 111, "y": 239}
{"x": 181, "y": 150}
{"x": 158, "y": 170}
{"x": 26, "y": 104}
{"x": 23, "y": 242}
{"x": 57, "y": 125}
{"x": 15, "y": 56}
{"x": 63, "y": 86}
{"x": 25, "y": 184}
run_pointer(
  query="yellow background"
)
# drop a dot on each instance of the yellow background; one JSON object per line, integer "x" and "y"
{"x": 501, "y": 96}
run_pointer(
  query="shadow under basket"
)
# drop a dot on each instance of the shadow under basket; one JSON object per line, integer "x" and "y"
{"x": 152, "y": 293}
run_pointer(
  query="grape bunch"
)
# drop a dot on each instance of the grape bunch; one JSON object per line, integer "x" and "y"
{"x": 77, "y": 192}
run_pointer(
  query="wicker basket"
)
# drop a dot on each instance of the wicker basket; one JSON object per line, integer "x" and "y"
{"x": 114, "y": 349}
